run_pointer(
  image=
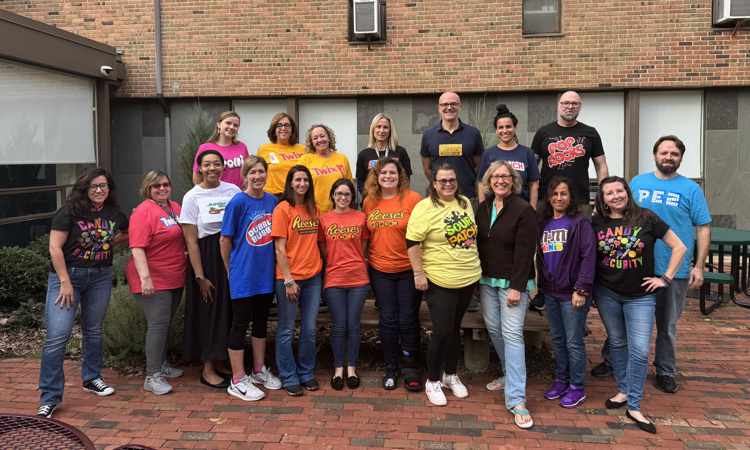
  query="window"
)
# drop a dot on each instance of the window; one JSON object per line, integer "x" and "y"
{"x": 541, "y": 17}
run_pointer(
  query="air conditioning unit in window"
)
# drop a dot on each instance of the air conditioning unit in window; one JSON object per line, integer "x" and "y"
{"x": 727, "y": 11}
{"x": 365, "y": 14}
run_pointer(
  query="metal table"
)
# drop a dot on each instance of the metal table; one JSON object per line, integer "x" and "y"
{"x": 738, "y": 241}
{"x": 19, "y": 432}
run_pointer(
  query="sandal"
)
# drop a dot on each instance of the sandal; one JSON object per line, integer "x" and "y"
{"x": 518, "y": 413}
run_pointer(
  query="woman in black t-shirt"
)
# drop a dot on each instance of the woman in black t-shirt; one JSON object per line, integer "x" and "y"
{"x": 383, "y": 143}
{"x": 625, "y": 287}
{"x": 81, "y": 242}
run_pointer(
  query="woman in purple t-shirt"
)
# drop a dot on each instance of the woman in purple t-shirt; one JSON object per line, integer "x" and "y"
{"x": 566, "y": 259}
{"x": 224, "y": 140}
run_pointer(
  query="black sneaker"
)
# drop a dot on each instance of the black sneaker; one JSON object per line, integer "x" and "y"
{"x": 537, "y": 303}
{"x": 603, "y": 370}
{"x": 311, "y": 385}
{"x": 98, "y": 387}
{"x": 46, "y": 410}
{"x": 667, "y": 384}
{"x": 295, "y": 390}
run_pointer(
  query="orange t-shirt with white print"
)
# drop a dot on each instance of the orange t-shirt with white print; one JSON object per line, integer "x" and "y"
{"x": 344, "y": 234}
{"x": 387, "y": 220}
{"x": 300, "y": 230}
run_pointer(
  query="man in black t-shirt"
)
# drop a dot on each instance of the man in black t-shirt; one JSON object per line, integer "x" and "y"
{"x": 565, "y": 147}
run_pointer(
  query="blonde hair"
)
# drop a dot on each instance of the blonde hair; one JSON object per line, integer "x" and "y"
{"x": 392, "y": 138}
{"x": 250, "y": 162}
{"x": 331, "y": 138}
{"x": 516, "y": 186}
{"x": 215, "y": 136}
{"x": 149, "y": 178}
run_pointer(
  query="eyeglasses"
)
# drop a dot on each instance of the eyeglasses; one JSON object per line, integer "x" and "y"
{"x": 342, "y": 194}
{"x": 446, "y": 181}
{"x": 449, "y": 105}
{"x": 100, "y": 186}
{"x": 161, "y": 185}
{"x": 283, "y": 125}
{"x": 501, "y": 177}
{"x": 570, "y": 104}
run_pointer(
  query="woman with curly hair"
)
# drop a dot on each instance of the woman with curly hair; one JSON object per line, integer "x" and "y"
{"x": 326, "y": 164}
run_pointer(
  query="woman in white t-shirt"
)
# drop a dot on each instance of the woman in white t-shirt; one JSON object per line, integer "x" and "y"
{"x": 208, "y": 313}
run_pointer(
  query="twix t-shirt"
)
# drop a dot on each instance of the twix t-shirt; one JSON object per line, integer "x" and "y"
{"x": 300, "y": 229}
{"x": 386, "y": 221}
{"x": 344, "y": 234}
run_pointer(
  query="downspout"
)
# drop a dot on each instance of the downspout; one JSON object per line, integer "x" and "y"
{"x": 160, "y": 87}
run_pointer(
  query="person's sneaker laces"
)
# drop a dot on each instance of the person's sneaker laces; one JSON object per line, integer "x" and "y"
{"x": 244, "y": 390}
{"x": 46, "y": 410}
{"x": 667, "y": 384}
{"x": 498, "y": 384}
{"x": 98, "y": 387}
{"x": 157, "y": 384}
{"x": 266, "y": 378}
{"x": 602, "y": 370}
{"x": 454, "y": 383}
{"x": 574, "y": 397}
{"x": 556, "y": 390}
{"x": 434, "y": 392}
{"x": 169, "y": 371}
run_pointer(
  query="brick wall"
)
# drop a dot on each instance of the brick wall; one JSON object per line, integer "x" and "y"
{"x": 289, "y": 47}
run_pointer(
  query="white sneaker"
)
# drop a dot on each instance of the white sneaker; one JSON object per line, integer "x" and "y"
{"x": 157, "y": 384}
{"x": 498, "y": 384}
{"x": 454, "y": 383}
{"x": 169, "y": 371}
{"x": 266, "y": 378}
{"x": 434, "y": 392}
{"x": 244, "y": 390}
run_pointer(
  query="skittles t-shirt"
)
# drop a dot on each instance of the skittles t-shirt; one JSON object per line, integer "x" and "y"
{"x": 625, "y": 252}
{"x": 89, "y": 242}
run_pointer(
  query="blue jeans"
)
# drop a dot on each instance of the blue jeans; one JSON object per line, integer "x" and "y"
{"x": 629, "y": 323}
{"x": 505, "y": 327}
{"x": 567, "y": 326}
{"x": 302, "y": 369}
{"x": 669, "y": 306}
{"x": 91, "y": 289}
{"x": 346, "y": 308}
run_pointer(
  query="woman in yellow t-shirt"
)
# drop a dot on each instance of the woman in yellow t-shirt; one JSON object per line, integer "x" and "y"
{"x": 442, "y": 245}
{"x": 325, "y": 163}
{"x": 281, "y": 153}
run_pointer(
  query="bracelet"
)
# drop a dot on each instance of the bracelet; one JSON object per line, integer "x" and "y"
{"x": 666, "y": 280}
{"x": 288, "y": 283}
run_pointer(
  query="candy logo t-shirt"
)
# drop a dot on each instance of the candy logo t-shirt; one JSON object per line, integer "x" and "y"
{"x": 89, "y": 242}
{"x": 344, "y": 234}
{"x": 234, "y": 156}
{"x": 386, "y": 221}
{"x": 325, "y": 171}
{"x": 280, "y": 159}
{"x": 300, "y": 229}
{"x": 204, "y": 208}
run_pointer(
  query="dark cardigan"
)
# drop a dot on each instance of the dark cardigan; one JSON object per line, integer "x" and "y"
{"x": 507, "y": 248}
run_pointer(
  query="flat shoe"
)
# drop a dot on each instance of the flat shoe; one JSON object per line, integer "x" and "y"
{"x": 337, "y": 383}
{"x": 221, "y": 385}
{"x": 611, "y": 404}
{"x": 352, "y": 382}
{"x": 648, "y": 427}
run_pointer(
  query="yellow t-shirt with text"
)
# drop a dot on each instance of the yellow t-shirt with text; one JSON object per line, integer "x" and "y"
{"x": 280, "y": 159}
{"x": 325, "y": 171}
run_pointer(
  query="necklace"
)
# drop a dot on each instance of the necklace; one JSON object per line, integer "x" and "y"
{"x": 167, "y": 209}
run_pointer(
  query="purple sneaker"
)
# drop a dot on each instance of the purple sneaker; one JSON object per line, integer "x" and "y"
{"x": 574, "y": 397}
{"x": 557, "y": 390}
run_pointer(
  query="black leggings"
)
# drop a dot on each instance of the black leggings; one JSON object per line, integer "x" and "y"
{"x": 244, "y": 311}
{"x": 447, "y": 308}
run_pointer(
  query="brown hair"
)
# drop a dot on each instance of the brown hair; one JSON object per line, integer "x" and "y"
{"x": 632, "y": 213}
{"x": 331, "y": 138}
{"x": 150, "y": 178}
{"x": 293, "y": 139}
{"x": 372, "y": 187}
{"x": 215, "y": 136}
{"x": 435, "y": 197}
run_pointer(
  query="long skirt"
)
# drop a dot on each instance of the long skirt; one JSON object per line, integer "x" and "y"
{"x": 207, "y": 323}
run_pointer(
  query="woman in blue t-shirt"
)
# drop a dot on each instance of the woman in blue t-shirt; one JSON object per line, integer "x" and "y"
{"x": 248, "y": 254}
{"x": 566, "y": 257}
{"x": 520, "y": 157}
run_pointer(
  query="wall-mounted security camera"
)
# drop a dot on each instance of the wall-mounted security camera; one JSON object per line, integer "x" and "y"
{"x": 106, "y": 70}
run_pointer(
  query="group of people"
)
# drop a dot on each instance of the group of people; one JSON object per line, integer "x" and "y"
{"x": 285, "y": 223}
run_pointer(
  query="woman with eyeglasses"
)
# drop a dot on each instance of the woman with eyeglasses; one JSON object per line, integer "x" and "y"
{"x": 507, "y": 244}
{"x": 84, "y": 232}
{"x": 156, "y": 273}
{"x": 224, "y": 141}
{"x": 442, "y": 244}
{"x": 382, "y": 143}
{"x": 343, "y": 238}
{"x": 282, "y": 152}
{"x": 326, "y": 164}
{"x": 208, "y": 311}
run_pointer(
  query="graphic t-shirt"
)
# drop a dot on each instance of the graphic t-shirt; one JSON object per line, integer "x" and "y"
{"x": 204, "y": 208}
{"x": 457, "y": 149}
{"x": 553, "y": 242}
{"x": 386, "y": 221}
{"x": 234, "y": 156}
{"x": 625, "y": 253}
{"x": 522, "y": 160}
{"x": 449, "y": 242}
{"x": 368, "y": 157}
{"x": 300, "y": 230}
{"x": 280, "y": 159}
{"x": 679, "y": 202}
{"x": 343, "y": 235}
{"x": 566, "y": 151}
{"x": 247, "y": 220}
{"x": 157, "y": 232}
{"x": 325, "y": 171}
{"x": 89, "y": 238}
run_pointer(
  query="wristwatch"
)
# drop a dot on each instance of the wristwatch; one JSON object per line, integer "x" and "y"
{"x": 288, "y": 283}
{"x": 582, "y": 293}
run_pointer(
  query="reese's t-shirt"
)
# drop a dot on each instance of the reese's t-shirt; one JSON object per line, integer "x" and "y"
{"x": 300, "y": 229}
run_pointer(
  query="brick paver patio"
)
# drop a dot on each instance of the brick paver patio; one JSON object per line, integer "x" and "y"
{"x": 711, "y": 411}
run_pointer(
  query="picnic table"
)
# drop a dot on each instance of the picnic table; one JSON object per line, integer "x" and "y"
{"x": 738, "y": 242}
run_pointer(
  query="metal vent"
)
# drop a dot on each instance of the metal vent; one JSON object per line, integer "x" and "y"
{"x": 365, "y": 16}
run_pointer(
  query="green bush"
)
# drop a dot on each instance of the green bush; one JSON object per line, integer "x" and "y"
{"x": 23, "y": 276}
{"x": 29, "y": 314}
{"x": 199, "y": 131}
{"x": 40, "y": 246}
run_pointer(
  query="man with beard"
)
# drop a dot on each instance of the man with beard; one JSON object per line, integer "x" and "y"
{"x": 565, "y": 147}
{"x": 680, "y": 202}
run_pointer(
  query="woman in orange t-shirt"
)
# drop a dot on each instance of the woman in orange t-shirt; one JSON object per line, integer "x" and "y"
{"x": 298, "y": 281}
{"x": 343, "y": 235}
{"x": 388, "y": 205}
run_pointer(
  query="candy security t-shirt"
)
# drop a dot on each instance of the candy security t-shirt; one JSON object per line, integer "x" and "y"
{"x": 89, "y": 242}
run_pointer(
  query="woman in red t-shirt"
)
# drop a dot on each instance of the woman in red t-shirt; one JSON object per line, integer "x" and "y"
{"x": 156, "y": 273}
{"x": 343, "y": 236}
